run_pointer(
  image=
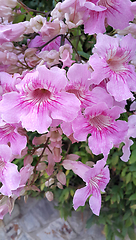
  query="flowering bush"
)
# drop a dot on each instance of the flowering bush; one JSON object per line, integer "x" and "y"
{"x": 67, "y": 89}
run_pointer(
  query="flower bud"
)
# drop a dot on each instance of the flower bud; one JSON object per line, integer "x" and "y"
{"x": 30, "y": 52}
{"x": 61, "y": 177}
{"x": 28, "y": 160}
{"x": 37, "y": 22}
{"x": 49, "y": 182}
{"x": 39, "y": 140}
{"x": 8, "y": 46}
{"x": 59, "y": 185}
{"x": 49, "y": 196}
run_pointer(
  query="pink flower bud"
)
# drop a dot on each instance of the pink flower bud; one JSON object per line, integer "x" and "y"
{"x": 73, "y": 157}
{"x": 39, "y": 140}
{"x": 49, "y": 196}
{"x": 61, "y": 177}
{"x": 30, "y": 52}
{"x": 51, "y": 29}
{"x": 55, "y": 134}
{"x": 37, "y": 22}
{"x": 41, "y": 166}
{"x": 28, "y": 160}
{"x": 59, "y": 185}
{"x": 49, "y": 182}
{"x": 8, "y": 46}
{"x": 10, "y": 3}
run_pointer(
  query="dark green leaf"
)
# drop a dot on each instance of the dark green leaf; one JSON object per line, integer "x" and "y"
{"x": 132, "y": 197}
{"x": 131, "y": 234}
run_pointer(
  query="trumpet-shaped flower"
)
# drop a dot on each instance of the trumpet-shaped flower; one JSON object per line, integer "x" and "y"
{"x": 111, "y": 61}
{"x": 40, "y": 99}
{"x": 9, "y": 135}
{"x": 9, "y": 175}
{"x": 117, "y": 14}
{"x": 96, "y": 179}
{"x": 99, "y": 121}
{"x": 79, "y": 84}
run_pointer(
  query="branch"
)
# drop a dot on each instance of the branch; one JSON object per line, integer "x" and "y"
{"x": 46, "y": 144}
{"x": 79, "y": 58}
{"x": 33, "y": 10}
{"x": 40, "y": 48}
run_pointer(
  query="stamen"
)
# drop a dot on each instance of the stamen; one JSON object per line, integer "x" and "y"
{"x": 100, "y": 121}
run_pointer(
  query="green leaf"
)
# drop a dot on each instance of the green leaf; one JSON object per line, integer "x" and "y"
{"x": 128, "y": 177}
{"x": 28, "y": 16}
{"x": 19, "y": 18}
{"x": 90, "y": 221}
{"x": 67, "y": 182}
{"x": 124, "y": 172}
{"x": 132, "y": 197}
{"x": 115, "y": 159}
{"x": 118, "y": 198}
{"x": 128, "y": 222}
{"x": 134, "y": 174}
{"x": 42, "y": 186}
{"x": 107, "y": 198}
{"x": 132, "y": 168}
{"x": 134, "y": 180}
{"x": 72, "y": 192}
{"x": 132, "y": 158}
{"x": 127, "y": 215}
{"x": 134, "y": 219}
{"x": 133, "y": 206}
{"x": 83, "y": 54}
{"x": 131, "y": 233}
{"x": 118, "y": 233}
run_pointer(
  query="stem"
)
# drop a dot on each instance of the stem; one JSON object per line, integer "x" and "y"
{"x": 25, "y": 7}
{"x": 62, "y": 40}
{"x": 79, "y": 58}
{"x": 46, "y": 144}
{"x": 40, "y": 48}
{"x": 62, "y": 36}
{"x": 33, "y": 10}
{"x": 68, "y": 149}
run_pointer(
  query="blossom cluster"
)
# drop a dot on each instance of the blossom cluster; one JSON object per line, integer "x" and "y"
{"x": 46, "y": 88}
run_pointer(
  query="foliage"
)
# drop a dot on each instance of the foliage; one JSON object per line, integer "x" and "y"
{"x": 118, "y": 212}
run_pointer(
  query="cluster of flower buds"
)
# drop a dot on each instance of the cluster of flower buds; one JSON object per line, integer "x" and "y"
{"x": 6, "y": 10}
{"x": 47, "y": 90}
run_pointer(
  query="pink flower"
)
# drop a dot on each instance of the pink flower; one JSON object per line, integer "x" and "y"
{"x": 9, "y": 175}
{"x": 50, "y": 29}
{"x": 8, "y": 82}
{"x": 99, "y": 121}
{"x": 6, "y": 205}
{"x": 128, "y": 142}
{"x": 12, "y": 32}
{"x": 96, "y": 179}
{"x": 111, "y": 61}
{"x": 25, "y": 173}
{"x": 66, "y": 55}
{"x": 79, "y": 84}
{"x": 9, "y": 135}
{"x": 41, "y": 98}
{"x": 64, "y": 7}
{"x": 38, "y": 42}
{"x": 117, "y": 14}
{"x": 133, "y": 7}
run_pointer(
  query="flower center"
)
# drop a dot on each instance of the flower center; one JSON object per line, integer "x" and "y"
{"x": 7, "y": 129}
{"x": 117, "y": 59}
{"x": 106, "y": 3}
{"x": 76, "y": 92}
{"x": 41, "y": 94}
{"x": 94, "y": 182}
{"x": 2, "y": 165}
{"x": 100, "y": 121}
